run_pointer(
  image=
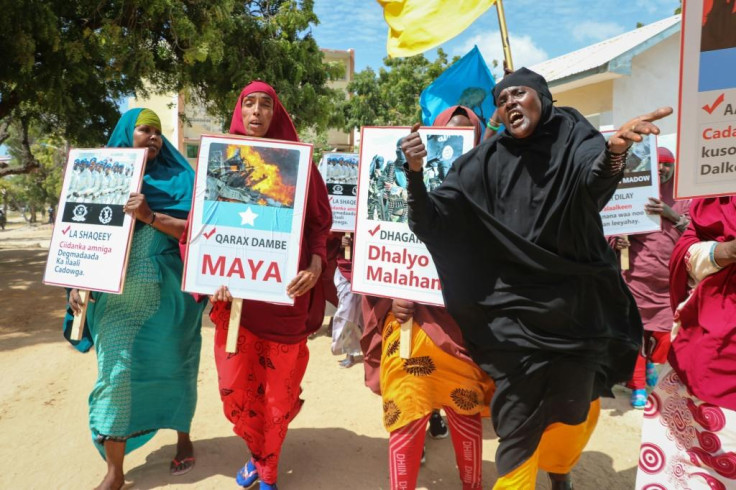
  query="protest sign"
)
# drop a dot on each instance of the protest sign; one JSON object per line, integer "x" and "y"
{"x": 89, "y": 244}
{"x": 624, "y": 214}
{"x": 247, "y": 216}
{"x": 340, "y": 173}
{"x": 707, "y": 116}
{"x": 389, "y": 260}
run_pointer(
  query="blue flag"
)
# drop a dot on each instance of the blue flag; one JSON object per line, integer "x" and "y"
{"x": 467, "y": 82}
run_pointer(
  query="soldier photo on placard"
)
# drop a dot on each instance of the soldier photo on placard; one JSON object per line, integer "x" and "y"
{"x": 387, "y": 192}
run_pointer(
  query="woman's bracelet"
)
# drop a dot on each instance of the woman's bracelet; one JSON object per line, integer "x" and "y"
{"x": 616, "y": 161}
{"x": 152, "y": 219}
{"x": 493, "y": 125}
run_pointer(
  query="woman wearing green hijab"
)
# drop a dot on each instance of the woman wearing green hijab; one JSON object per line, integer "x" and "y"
{"x": 148, "y": 338}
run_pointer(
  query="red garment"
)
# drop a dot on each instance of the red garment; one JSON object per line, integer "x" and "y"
{"x": 405, "y": 446}
{"x": 704, "y": 351}
{"x": 648, "y": 274}
{"x": 328, "y": 278}
{"x": 259, "y": 388}
{"x": 346, "y": 265}
{"x": 281, "y": 128}
{"x": 444, "y": 117}
{"x": 657, "y": 345}
{"x": 279, "y": 323}
{"x": 434, "y": 320}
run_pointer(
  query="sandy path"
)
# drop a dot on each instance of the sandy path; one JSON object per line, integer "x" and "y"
{"x": 337, "y": 442}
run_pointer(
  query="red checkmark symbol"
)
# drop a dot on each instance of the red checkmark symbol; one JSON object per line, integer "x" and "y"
{"x": 374, "y": 230}
{"x": 710, "y": 108}
{"x": 67, "y": 229}
{"x": 208, "y": 235}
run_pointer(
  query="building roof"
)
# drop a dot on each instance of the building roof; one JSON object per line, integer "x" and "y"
{"x": 607, "y": 59}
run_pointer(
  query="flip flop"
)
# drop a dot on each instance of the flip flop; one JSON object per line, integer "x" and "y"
{"x": 181, "y": 467}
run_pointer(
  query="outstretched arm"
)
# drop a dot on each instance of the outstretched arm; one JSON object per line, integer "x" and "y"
{"x": 609, "y": 167}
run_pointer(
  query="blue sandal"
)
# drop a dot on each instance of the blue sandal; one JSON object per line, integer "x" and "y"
{"x": 247, "y": 475}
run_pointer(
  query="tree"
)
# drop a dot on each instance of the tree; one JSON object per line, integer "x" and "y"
{"x": 67, "y": 63}
{"x": 391, "y": 97}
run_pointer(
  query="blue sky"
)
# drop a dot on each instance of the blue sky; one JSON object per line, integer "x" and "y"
{"x": 539, "y": 29}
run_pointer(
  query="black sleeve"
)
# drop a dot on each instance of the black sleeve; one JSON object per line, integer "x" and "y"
{"x": 431, "y": 214}
{"x": 602, "y": 179}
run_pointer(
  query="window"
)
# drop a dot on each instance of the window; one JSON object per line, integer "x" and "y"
{"x": 192, "y": 151}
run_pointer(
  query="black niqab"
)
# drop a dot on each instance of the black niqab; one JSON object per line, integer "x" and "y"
{"x": 516, "y": 236}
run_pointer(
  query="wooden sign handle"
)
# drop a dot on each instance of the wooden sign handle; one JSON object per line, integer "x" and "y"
{"x": 78, "y": 324}
{"x": 233, "y": 329}
{"x": 625, "y": 256}
{"x": 348, "y": 248}
{"x": 405, "y": 339}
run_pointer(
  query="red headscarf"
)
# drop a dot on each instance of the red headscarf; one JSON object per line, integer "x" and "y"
{"x": 444, "y": 117}
{"x": 703, "y": 353}
{"x": 281, "y": 128}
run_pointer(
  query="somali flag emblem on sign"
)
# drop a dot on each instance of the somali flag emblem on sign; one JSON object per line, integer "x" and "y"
{"x": 468, "y": 82}
{"x": 249, "y": 216}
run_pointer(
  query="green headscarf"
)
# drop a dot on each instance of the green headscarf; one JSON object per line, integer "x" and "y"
{"x": 169, "y": 179}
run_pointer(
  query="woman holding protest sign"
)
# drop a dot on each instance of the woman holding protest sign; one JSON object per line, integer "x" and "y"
{"x": 259, "y": 384}
{"x": 439, "y": 374}
{"x": 148, "y": 338}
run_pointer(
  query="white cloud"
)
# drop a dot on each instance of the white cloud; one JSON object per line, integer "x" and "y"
{"x": 596, "y": 31}
{"x": 523, "y": 50}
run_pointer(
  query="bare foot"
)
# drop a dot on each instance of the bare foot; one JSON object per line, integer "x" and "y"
{"x": 111, "y": 481}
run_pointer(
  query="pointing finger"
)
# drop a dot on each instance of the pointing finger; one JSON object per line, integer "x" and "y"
{"x": 656, "y": 114}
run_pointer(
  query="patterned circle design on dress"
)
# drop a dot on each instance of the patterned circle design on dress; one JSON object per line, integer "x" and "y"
{"x": 654, "y": 486}
{"x": 465, "y": 399}
{"x": 392, "y": 348}
{"x": 709, "y": 441}
{"x": 651, "y": 458}
{"x": 419, "y": 366}
{"x": 391, "y": 413}
{"x": 709, "y": 416}
{"x": 653, "y": 406}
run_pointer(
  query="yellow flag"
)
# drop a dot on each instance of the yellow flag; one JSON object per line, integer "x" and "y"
{"x": 415, "y": 26}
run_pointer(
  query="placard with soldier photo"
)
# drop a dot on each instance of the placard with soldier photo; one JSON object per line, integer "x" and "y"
{"x": 89, "y": 244}
{"x": 624, "y": 213}
{"x": 247, "y": 216}
{"x": 389, "y": 260}
{"x": 340, "y": 172}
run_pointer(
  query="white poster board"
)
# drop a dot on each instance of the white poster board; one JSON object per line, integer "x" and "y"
{"x": 389, "y": 260}
{"x": 340, "y": 173}
{"x": 624, "y": 214}
{"x": 91, "y": 237}
{"x": 707, "y": 125}
{"x": 247, "y": 216}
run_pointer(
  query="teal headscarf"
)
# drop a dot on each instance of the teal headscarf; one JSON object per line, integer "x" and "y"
{"x": 169, "y": 179}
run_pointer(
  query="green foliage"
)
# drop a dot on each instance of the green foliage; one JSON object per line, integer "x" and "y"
{"x": 391, "y": 97}
{"x": 67, "y": 63}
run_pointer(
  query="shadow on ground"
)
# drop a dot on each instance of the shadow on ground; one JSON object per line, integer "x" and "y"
{"x": 22, "y": 271}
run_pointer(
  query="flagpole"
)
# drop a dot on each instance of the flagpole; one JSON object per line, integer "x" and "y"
{"x": 504, "y": 35}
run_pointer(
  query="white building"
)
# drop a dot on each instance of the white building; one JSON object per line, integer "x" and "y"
{"x": 622, "y": 77}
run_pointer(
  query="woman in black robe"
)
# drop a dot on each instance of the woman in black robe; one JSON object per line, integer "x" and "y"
{"x": 516, "y": 236}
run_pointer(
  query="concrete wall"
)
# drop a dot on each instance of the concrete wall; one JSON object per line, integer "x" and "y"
{"x": 338, "y": 139}
{"x": 654, "y": 82}
{"x": 594, "y": 101}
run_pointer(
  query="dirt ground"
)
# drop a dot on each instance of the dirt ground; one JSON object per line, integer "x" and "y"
{"x": 336, "y": 442}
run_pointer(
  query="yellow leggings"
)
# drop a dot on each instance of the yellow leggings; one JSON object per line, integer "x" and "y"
{"x": 558, "y": 451}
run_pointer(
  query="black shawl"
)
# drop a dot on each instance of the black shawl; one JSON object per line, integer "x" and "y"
{"x": 516, "y": 236}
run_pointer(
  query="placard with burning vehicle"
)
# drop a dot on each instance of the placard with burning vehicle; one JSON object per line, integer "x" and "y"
{"x": 247, "y": 217}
